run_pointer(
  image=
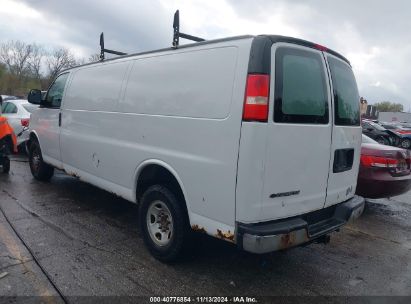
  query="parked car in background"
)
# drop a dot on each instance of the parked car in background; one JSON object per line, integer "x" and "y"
{"x": 8, "y": 97}
{"x": 18, "y": 114}
{"x": 403, "y": 133}
{"x": 401, "y": 128}
{"x": 384, "y": 171}
{"x": 8, "y": 144}
{"x": 406, "y": 125}
{"x": 378, "y": 133}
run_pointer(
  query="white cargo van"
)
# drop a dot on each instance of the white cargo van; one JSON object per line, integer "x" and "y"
{"x": 254, "y": 140}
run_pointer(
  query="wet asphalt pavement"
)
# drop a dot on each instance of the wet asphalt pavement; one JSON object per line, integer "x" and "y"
{"x": 87, "y": 242}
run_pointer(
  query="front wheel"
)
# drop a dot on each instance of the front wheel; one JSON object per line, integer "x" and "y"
{"x": 406, "y": 143}
{"x": 5, "y": 165}
{"x": 163, "y": 223}
{"x": 39, "y": 169}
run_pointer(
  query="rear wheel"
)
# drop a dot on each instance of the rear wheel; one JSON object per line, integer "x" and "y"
{"x": 406, "y": 143}
{"x": 39, "y": 169}
{"x": 163, "y": 223}
{"x": 5, "y": 164}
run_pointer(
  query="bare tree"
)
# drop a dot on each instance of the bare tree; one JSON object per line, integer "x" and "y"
{"x": 58, "y": 60}
{"x": 35, "y": 60}
{"x": 94, "y": 58}
{"x": 15, "y": 55}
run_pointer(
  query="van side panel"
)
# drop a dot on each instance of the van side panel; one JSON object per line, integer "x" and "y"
{"x": 87, "y": 113}
{"x": 195, "y": 84}
{"x": 96, "y": 88}
{"x": 185, "y": 109}
{"x": 180, "y": 107}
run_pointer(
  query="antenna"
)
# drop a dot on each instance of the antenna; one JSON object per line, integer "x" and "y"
{"x": 104, "y": 50}
{"x": 177, "y": 34}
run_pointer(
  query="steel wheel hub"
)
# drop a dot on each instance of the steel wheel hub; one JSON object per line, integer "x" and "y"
{"x": 159, "y": 223}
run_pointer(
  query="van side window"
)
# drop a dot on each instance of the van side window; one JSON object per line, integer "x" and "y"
{"x": 55, "y": 92}
{"x": 300, "y": 87}
{"x": 346, "y": 96}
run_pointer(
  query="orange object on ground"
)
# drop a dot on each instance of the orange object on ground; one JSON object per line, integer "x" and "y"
{"x": 7, "y": 131}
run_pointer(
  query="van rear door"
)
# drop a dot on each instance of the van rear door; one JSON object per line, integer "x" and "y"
{"x": 298, "y": 146}
{"x": 346, "y": 136}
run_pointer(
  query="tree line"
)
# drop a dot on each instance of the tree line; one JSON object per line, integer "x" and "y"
{"x": 24, "y": 66}
{"x": 387, "y": 106}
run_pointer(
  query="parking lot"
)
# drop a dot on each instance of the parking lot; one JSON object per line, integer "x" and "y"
{"x": 87, "y": 242}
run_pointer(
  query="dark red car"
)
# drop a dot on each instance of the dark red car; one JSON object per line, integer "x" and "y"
{"x": 384, "y": 170}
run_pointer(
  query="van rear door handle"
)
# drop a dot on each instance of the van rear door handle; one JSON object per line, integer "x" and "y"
{"x": 343, "y": 160}
{"x": 60, "y": 119}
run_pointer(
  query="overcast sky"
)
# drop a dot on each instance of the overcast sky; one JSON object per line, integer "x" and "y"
{"x": 374, "y": 35}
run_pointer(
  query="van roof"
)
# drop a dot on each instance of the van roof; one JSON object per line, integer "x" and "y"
{"x": 260, "y": 41}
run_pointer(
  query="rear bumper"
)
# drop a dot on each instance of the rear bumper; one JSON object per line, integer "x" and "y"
{"x": 379, "y": 183}
{"x": 286, "y": 233}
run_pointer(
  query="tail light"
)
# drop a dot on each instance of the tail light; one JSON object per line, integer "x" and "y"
{"x": 25, "y": 122}
{"x": 256, "y": 98}
{"x": 379, "y": 162}
{"x": 395, "y": 166}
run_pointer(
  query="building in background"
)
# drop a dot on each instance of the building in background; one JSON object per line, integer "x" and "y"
{"x": 394, "y": 116}
{"x": 367, "y": 111}
{"x": 363, "y": 106}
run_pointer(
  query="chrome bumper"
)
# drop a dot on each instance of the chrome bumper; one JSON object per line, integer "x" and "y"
{"x": 286, "y": 233}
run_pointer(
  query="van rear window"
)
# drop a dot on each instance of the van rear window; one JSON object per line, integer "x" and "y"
{"x": 346, "y": 96}
{"x": 300, "y": 87}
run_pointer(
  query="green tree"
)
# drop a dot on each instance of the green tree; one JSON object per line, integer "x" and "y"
{"x": 388, "y": 106}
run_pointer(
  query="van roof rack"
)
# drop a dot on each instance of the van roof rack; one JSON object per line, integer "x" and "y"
{"x": 104, "y": 50}
{"x": 177, "y": 34}
{"x": 176, "y": 37}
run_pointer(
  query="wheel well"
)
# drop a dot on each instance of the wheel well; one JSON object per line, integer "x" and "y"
{"x": 33, "y": 137}
{"x": 156, "y": 174}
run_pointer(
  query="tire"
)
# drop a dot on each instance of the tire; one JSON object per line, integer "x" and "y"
{"x": 163, "y": 223}
{"x": 39, "y": 169}
{"x": 406, "y": 143}
{"x": 381, "y": 140}
{"x": 5, "y": 165}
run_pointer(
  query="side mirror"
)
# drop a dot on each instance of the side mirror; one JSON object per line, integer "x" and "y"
{"x": 370, "y": 129}
{"x": 34, "y": 96}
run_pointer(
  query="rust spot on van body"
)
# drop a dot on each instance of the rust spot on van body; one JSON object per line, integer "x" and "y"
{"x": 198, "y": 228}
{"x": 73, "y": 174}
{"x": 228, "y": 236}
{"x": 293, "y": 238}
{"x": 287, "y": 240}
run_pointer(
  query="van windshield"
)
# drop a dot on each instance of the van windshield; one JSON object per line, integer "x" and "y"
{"x": 346, "y": 97}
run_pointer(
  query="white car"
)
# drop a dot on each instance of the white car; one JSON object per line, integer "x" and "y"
{"x": 253, "y": 139}
{"x": 18, "y": 114}
{"x": 8, "y": 97}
